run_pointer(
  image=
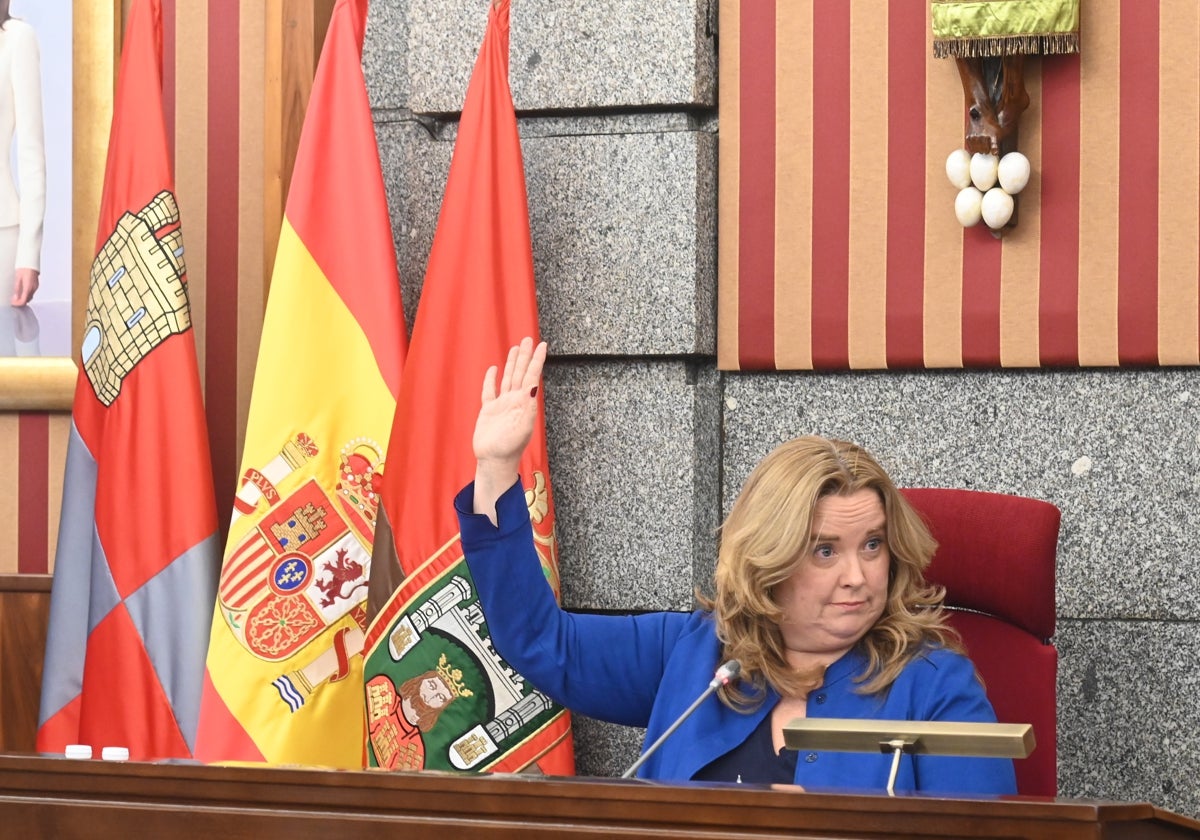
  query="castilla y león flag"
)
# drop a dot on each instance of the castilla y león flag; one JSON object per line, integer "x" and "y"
{"x": 478, "y": 299}
{"x": 284, "y": 671}
{"x": 136, "y": 567}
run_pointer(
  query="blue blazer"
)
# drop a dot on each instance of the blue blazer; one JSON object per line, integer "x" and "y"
{"x": 645, "y": 670}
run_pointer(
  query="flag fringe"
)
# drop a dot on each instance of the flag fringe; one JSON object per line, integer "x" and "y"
{"x": 1057, "y": 43}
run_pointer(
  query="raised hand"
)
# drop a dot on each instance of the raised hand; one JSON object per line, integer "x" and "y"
{"x": 505, "y": 422}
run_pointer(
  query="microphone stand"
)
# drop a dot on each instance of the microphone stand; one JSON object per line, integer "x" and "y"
{"x": 724, "y": 674}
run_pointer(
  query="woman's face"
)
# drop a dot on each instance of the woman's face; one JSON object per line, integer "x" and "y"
{"x": 839, "y": 587}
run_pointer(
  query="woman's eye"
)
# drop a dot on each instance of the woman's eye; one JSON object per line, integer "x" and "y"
{"x": 823, "y": 551}
{"x": 875, "y": 544}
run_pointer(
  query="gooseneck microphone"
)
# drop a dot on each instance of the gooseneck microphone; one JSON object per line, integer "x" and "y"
{"x": 724, "y": 675}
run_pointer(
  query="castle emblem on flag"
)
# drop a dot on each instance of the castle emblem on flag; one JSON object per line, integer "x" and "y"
{"x": 138, "y": 296}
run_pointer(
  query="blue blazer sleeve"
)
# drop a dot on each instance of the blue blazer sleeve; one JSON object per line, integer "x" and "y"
{"x": 606, "y": 667}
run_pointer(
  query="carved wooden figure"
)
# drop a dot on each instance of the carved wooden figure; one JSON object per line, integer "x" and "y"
{"x": 994, "y": 90}
{"x": 989, "y": 40}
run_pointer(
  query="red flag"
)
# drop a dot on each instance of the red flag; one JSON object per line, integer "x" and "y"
{"x": 136, "y": 566}
{"x": 478, "y": 300}
{"x": 284, "y": 678}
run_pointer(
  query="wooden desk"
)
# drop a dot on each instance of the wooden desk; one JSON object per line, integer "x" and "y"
{"x": 66, "y": 799}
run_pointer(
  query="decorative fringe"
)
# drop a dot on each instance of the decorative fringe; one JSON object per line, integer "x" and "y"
{"x": 1052, "y": 44}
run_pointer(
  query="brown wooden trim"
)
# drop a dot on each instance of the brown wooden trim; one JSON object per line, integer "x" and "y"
{"x": 274, "y": 153}
{"x": 97, "y": 28}
{"x": 25, "y": 583}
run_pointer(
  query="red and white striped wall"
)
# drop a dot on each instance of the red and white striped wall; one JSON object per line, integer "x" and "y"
{"x": 839, "y": 246}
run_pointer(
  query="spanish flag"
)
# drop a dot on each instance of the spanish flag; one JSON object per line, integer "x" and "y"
{"x": 429, "y": 643}
{"x": 136, "y": 567}
{"x": 284, "y": 670}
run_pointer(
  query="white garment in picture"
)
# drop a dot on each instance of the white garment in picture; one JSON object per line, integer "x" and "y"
{"x": 23, "y": 205}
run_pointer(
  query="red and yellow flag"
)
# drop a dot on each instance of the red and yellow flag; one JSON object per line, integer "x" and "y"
{"x": 136, "y": 566}
{"x": 839, "y": 246}
{"x": 478, "y": 300}
{"x": 284, "y": 675}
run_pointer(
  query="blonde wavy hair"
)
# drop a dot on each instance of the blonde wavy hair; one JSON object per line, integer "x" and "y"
{"x": 767, "y": 533}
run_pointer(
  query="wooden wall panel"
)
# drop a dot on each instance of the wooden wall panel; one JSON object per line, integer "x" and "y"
{"x": 24, "y": 607}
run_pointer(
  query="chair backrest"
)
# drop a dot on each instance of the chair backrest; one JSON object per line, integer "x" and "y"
{"x": 996, "y": 556}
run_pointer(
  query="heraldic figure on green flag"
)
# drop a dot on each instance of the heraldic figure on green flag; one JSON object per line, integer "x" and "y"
{"x": 438, "y": 695}
{"x": 989, "y": 40}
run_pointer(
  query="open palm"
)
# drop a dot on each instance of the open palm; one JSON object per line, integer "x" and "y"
{"x": 507, "y": 413}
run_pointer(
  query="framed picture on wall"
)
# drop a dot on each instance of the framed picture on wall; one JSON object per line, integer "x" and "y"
{"x": 77, "y": 47}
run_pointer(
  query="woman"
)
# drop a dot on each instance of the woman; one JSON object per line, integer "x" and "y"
{"x": 21, "y": 217}
{"x": 819, "y": 595}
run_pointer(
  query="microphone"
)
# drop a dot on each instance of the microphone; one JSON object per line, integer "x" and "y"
{"x": 724, "y": 675}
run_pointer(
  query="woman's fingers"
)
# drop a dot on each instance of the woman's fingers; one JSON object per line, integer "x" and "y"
{"x": 524, "y": 352}
{"x": 509, "y": 366}
{"x": 489, "y": 385}
{"x": 25, "y": 283}
{"x": 533, "y": 373}
{"x": 522, "y": 370}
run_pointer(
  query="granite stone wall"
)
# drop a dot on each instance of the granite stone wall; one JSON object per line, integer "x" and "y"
{"x": 649, "y": 443}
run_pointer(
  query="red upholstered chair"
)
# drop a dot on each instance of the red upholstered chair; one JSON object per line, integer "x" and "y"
{"x": 996, "y": 558}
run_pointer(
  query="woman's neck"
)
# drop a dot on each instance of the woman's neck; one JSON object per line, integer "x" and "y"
{"x": 806, "y": 662}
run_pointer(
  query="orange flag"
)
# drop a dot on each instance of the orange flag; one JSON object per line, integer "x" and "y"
{"x": 136, "y": 567}
{"x": 284, "y": 676}
{"x": 478, "y": 299}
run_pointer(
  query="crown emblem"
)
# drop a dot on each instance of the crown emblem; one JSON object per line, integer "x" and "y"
{"x": 452, "y": 677}
{"x": 360, "y": 477}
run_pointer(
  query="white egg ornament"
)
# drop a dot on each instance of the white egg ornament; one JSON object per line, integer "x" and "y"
{"x": 1013, "y": 172}
{"x": 968, "y": 206}
{"x": 958, "y": 168}
{"x": 996, "y": 208}
{"x": 983, "y": 171}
